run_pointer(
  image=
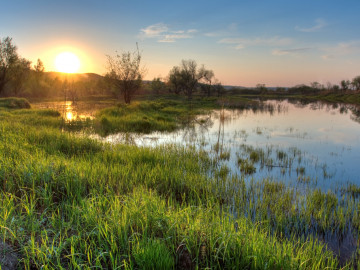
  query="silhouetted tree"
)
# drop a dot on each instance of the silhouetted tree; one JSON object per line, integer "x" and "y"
{"x": 261, "y": 88}
{"x": 8, "y": 59}
{"x": 316, "y": 86}
{"x": 186, "y": 77}
{"x": 207, "y": 77}
{"x": 39, "y": 69}
{"x": 176, "y": 80}
{"x": 219, "y": 89}
{"x": 157, "y": 86}
{"x": 345, "y": 84}
{"x": 126, "y": 74}
{"x": 356, "y": 83}
{"x": 19, "y": 75}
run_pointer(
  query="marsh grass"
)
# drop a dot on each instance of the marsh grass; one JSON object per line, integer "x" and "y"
{"x": 148, "y": 116}
{"x": 69, "y": 202}
{"x": 14, "y": 103}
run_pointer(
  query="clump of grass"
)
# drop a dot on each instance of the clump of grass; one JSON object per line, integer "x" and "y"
{"x": 352, "y": 189}
{"x": 152, "y": 254}
{"x": 149, "y": 116}
{"x": 224, "y": 155}
{"x": 281, "y": 155}
{"x": 300, "y": 170}
{"x": 254, "y": 156}
{"x": 14, "y": 103}
{"x": 246, "y": 166}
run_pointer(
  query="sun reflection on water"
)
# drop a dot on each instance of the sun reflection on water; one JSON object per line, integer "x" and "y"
{"x": 69, "y": 116}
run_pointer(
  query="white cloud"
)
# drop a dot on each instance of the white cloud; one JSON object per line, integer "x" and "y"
{"x": 163, "y": 33}
{"x": 192, "y": 31}
{"x": 295, "y": 51}
{"x": 319, "y": 24}
{"x": 241, "y": 43}
{"x": 174, "y": 37}
{"x": 341, "y": 49}
{"x": 154, "y": 30}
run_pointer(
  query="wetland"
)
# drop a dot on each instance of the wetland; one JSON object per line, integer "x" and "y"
{"x": 271, "y": 182}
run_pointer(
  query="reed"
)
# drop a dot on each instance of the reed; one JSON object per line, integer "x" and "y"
{"x": 70, "y": 202}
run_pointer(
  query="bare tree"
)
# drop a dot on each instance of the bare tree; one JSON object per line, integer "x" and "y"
{"x": 126, "y": 73}
{"x": 8, "y": 59}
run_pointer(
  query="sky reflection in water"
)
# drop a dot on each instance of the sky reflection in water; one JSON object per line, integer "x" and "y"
{"x": 314, "y": 143}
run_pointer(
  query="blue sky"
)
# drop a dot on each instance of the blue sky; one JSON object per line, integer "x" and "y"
{"x": 278, "y": 42}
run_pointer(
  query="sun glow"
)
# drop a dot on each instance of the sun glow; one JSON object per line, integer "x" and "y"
{"x": 67, "y": 62}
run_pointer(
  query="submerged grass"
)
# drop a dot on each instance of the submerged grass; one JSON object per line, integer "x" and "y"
{"x": 69, "y": 202}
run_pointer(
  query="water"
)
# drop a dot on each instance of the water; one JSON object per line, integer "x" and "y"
{"x": 304, "y": 145}
{"x": 80, "y": 110}
{"x": 314, "y": 143}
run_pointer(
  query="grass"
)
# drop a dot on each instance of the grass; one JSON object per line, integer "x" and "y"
{"x": 14, "y": 103}
{"x": 148, "y": 116}
{"x": 70, "y": 202}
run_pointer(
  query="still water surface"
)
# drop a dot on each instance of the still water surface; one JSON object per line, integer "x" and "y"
{"x": 313, "y": 143}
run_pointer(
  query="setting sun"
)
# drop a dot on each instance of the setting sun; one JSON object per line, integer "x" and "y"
{"x": 67, "y": 62}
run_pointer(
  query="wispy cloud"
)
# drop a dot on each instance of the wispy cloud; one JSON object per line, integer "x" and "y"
{"x": 295, "y": 51}
{"x": 163, "y": 33}
{"x": 228, "y": 31}
{"x": 154, "y": 30}
{"x": 241, "y": 43}
{"x": 319, "y": 24}
{"x": 341, "y": 49}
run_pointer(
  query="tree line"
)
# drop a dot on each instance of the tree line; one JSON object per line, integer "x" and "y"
{"x": 125, "y": 78}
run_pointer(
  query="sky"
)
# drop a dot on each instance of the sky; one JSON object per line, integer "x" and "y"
{"x": 273, "y": 42}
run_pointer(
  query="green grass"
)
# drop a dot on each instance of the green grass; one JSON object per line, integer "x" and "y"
{"x": 14, "y": 103}
{"x": 166, "y": 114}
{"x": 70, "y": 202}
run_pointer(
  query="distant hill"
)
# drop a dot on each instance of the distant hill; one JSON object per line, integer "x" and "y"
{"x": 74, "y": 76}
{"x": 93, "y": 77}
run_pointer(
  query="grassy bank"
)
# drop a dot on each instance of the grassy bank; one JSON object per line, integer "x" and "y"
{"x": 14, "y": 103}
{"x": 165, "y": 114}
{"x": 69, "y": 202}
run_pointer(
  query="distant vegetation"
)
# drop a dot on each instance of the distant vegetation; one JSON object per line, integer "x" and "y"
{"x": 124, "y": 80}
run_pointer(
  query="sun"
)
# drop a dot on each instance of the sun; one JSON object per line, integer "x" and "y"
{"x": 67, "y": 62}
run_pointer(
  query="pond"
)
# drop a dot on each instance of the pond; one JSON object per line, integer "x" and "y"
{"x": 288, "y": 141}
{"x": 306, "y": 146}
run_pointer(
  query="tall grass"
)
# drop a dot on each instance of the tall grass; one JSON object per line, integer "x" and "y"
{"x": 69, "y": 202}
{"x": 148, "y": 116}
{"x": 14, "y": 103}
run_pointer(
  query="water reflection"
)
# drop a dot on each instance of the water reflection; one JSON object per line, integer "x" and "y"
{"x": 293, "y": 142}
{"x": 69, "y": 116}
{"x": 306, "y": 145}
